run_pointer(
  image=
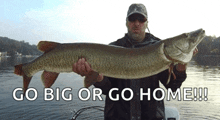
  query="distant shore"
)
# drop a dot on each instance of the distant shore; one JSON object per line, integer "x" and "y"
{"x": 208, "y": 60}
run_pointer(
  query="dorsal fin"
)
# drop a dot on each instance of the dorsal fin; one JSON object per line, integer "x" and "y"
{"x": 46, "y": 46}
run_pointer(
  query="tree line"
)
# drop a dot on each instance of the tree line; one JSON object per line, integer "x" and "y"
{"x": 13, "y": 47}
{"x": 209, "y": 51}
{"x": 210, "y": 45}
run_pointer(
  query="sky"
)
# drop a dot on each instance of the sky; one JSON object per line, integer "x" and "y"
{"x": 99, "y": 21}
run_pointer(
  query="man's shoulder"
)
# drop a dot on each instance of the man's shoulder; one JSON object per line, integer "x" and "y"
{"x": 122, "y": 41}
{"x": 119, "y": 42}
{"x": 149, "y": 35}
{"x": 115, "y": 42}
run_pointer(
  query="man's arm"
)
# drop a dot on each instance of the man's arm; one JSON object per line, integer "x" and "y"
{"x": 175, "y": 82}
{"x": 83, "y": 68}
{"x": 104, "y": 85}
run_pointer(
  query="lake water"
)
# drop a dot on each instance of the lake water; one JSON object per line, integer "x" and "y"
{"x": 197, "y": 77}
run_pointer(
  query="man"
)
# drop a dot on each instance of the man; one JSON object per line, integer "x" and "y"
{"x": 134, "y": 109}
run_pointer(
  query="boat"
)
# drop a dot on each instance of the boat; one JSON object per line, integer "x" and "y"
{"x": 171, "y": 113}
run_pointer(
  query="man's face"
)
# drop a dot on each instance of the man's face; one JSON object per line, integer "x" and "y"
{"x": 136, "y": 25}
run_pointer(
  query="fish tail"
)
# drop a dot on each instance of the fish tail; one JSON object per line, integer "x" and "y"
{"x": 26, "y": 80}
{"x": 18, "y": 70}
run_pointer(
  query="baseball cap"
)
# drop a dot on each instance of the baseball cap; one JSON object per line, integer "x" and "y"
{"x": 137, "y": 8}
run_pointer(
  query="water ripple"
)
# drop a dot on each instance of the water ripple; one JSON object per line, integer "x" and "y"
{"x": 52, "y": 110}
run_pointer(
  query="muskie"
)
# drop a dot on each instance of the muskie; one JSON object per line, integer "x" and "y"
{"x": 112, "y": 61}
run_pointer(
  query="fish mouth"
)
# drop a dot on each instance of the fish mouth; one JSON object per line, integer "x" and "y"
{"x": 200, "y": 33}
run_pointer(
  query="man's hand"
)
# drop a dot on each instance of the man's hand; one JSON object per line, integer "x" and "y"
{"x": 182, "y": 67}
{"x": 83, "y": 68}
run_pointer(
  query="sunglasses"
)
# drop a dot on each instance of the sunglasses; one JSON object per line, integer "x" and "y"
{"x": 140, "y": 18}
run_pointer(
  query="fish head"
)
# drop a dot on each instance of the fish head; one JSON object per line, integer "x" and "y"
{"x": 181, "y": 47}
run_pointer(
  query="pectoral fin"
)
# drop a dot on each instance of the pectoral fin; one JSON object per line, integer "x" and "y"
{"x": 48, "y": 78}
{"x": 171, "y": 73}
{"x": 88, "y": 81}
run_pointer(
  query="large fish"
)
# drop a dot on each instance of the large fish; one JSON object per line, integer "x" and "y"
{"x": 112, "y": 61}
